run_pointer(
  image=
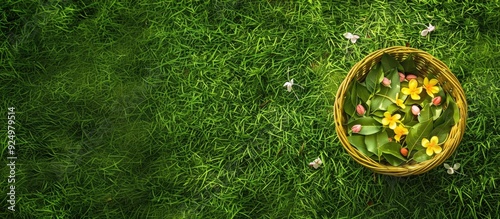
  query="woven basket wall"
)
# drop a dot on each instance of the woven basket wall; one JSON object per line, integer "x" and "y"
{"x": 426, "y": 64}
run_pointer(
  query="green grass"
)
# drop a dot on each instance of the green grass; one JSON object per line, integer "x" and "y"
{"x": 176, "y": 109}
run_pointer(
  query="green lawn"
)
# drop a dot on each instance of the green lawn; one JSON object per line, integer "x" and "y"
{"x": 151, "y": 109}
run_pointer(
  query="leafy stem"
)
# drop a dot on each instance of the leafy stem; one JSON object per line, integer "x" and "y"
{"x": 384, "y": 96}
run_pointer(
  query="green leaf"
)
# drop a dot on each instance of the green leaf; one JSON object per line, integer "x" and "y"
{"x": 443, "y": 130}
{"x": 378, "y": 119}
{"x": 353, "y": 118}
{"x": 374, "y": 77}
{"x": 359, "y": 142}
{"x": 393, "y": 149}
{"x": 409, "y": 65}
{"x": 394, "y": 161}
{"x": 392, "y": 108}
{"x": 446, "y": 115}
{"x": 353, "y": 94}
{"x": 456, "y": 112}
{"x": 373, "y": 142}
{"x": 382, "y": 138}
{"x": 389, "y": 63}
{"x": 441, "y": 93}
{"x": 349, "y": 109}
{"x": 421, "y": 156}
{"x": 425, "y": 113}
{"x": 411, "y": 124}
{"x": 369, "y": 125}
{"x": 436, "y": 111}
{"x": 408, "y": 117}
{"x": 400, "y": 68}
{"x": 363, "y": 92}
{"x": 442, "y": 134}
{"x": 417, "y": 133}
{"x": 404, "y": 84}
{"x": 378, "y": 113}
{"x": 350, "y": 101}
{"x": 380, "y": 101}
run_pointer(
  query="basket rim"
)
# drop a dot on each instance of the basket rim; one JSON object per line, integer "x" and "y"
{"x": 450, "y": 144}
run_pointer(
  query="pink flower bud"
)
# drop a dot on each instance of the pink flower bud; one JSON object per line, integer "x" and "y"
{"x": 360, "y": 110}
{"x": 436, "y": 101}
{"x": 415, "y": 110}
{"x": 386, "y": 82}
{"x": 410, "y": 76}
{"x": 356, "y": 128}
{"x": 401, "y": 77}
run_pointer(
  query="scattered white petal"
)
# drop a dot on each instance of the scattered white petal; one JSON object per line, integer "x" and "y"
{"x": 351, "y": 37}
{"x": 288, "y": 85}
{"x": 427, "y": 30}
{"x": 452, "y": 170}
{"x": 316, "y": 163}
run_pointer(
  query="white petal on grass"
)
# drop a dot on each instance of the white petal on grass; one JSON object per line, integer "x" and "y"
{"x": 288, "y": 85}
{"x": 452, "y": 170}
{"x": 316, "y": 163}
{"x": 351, "y": 37}
{"x": 427, "y": 30}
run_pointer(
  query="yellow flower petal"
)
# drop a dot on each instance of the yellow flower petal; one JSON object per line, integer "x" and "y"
{"x": 397, "y": 138}
{"x": 437, "y": 149}
{"x": 434, "y": 140}
{"x": 385, "y": 121}
{"x": 415, "y": 96}
{"x": 400, "y": 130}
{"x": 425, "y": 142}
{"x": 391, "y": 120}
{"x": 429, "y": 151}
{"x": 396, "y": 116}
{"x": 405, "y": 91}
{"x": 393, "y": 125}
{"x": 430, "y": 94}
{"x": 430, "y": 87}
{"x": 433, "y": 82}
{"x": 400, "y": 104}
{"x": 413, "y": 84}
{"x": 387, "y": 115}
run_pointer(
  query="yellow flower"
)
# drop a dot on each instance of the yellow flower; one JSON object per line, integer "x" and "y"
{"x": 430, "y": 87}
{"x": 432, "y": 146}
{"x": 412, "y": 90}
{"x": 400, "y": 131}
{"x": 399, "y": 102}
{"x": 391, "y": 120}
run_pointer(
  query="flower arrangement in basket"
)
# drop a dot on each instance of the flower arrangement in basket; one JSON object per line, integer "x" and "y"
{"x": 400, "y": 112}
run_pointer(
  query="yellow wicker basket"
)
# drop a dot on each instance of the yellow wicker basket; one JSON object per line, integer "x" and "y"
{"x": 425, "y": 64}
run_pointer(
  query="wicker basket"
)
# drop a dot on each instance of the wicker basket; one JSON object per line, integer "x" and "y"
{"x": 425, "y": 63}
